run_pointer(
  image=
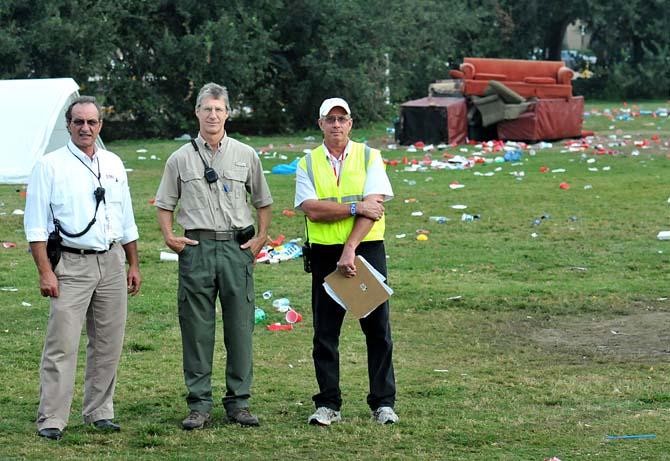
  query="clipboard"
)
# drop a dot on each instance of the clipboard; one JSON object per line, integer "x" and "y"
{"x": 360, "y": 294}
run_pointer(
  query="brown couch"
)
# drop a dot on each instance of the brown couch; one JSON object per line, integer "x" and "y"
{"x": 539, "y": 79}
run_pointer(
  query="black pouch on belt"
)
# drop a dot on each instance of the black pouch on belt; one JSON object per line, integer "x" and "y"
{"x": 244, "y": 235}
{"x": 307, "y": 257}
{"x": 53, "y": 248}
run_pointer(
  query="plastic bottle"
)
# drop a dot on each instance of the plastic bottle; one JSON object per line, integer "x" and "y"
{"x": 259, "y": 315}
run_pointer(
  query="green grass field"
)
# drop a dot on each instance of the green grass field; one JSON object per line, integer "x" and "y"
{"x": 513, "y": 341}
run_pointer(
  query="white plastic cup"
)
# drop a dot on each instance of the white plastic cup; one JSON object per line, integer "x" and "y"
{"x": 165, "y": 256}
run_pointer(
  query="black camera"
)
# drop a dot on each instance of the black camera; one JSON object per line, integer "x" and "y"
{"x": 210, "y": 175}
{"x": 307, "y": 257}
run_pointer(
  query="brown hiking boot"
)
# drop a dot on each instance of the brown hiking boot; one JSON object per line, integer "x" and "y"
{"x": 243, "y": 417}
{"x": 196, "y": 420}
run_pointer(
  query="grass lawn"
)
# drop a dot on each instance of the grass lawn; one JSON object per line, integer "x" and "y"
{"x": 513, "y": 341}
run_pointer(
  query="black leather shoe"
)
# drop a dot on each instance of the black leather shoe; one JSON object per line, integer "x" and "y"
{"x": 51, "y": 433}
{"x": 106, "y": 425}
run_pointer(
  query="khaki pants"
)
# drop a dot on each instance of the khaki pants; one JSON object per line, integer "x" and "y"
{"x": 92, "y": 288}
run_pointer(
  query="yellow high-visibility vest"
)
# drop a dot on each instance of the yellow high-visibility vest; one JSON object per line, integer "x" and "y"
{"x": 350, "y": 189}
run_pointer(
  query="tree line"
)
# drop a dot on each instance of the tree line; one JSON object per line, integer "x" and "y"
{"x": 280, "y": 58}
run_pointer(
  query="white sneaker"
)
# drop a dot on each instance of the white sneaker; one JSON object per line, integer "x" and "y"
{"x": 324, "y": 416}
{"x": 385, "y": 415}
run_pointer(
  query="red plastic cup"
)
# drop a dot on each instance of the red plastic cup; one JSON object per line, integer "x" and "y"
{"x": 293, "y": 316}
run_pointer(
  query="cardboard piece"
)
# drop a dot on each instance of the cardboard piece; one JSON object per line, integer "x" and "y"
{"x": 360, "y": 294}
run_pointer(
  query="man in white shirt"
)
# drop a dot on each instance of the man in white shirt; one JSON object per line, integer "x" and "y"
{"x": 341, "y": 187}
{"x": 79, "y": 194}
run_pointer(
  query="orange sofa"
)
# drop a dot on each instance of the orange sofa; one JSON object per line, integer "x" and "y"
{"x": 539, "y": 79}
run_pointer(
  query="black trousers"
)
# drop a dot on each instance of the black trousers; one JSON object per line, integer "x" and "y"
{"x": 328, "y": 317}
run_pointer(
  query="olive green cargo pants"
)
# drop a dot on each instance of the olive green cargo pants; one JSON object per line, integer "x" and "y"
{"x": 205, "y": 270}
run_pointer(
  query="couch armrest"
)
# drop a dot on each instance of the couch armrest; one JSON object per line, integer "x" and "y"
{"x": 468, "y": 70}
{"x": 453, "y": 73}
{"x": 564, "y": 76}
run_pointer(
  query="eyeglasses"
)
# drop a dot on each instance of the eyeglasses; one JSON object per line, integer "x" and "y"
{"x": 79, "y": 122}
{"x": 217, "y": 110}
{"x": 331, "y": 119}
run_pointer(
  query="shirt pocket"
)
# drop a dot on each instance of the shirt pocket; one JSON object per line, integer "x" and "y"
{"x": 193, "y": 195}
{"x": 235, "y": 180}
{"x": 113, "y": 192}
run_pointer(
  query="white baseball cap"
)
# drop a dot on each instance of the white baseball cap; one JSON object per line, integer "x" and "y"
{"x": 328, "y": 104}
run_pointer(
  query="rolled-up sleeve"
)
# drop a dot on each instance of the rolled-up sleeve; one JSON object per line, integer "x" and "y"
{"x": 130, "y": 232}
{"x": 167, "y": 195}
{"x": 257, "y": 184}
{"x": 36, "y": 215}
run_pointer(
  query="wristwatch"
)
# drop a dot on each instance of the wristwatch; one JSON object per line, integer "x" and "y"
{"x": 352, "y": 209}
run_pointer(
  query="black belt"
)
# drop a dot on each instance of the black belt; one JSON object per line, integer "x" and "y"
{"x": 81, "y": 251}
{"x": 200, "y": 234}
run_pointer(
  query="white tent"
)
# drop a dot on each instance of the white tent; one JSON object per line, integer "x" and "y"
{"x": 32, "y": 123}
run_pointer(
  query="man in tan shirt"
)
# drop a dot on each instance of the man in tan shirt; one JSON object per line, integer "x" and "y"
{"x": 211, "y": 178}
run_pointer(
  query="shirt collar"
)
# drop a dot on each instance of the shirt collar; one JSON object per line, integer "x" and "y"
{"x": 346, "y": 152}
{"x": 204, "y": 143}
{"x": 72, "y": 147}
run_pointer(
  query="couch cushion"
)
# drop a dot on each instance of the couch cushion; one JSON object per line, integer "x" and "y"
{"x": 540, "y": 80}
{"x": 487, "y": 76}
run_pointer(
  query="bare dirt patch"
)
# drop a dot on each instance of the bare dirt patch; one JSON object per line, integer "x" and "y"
{"x": 638, "y": 336}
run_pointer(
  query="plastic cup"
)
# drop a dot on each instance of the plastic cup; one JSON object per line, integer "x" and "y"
{"x": 165, "y": 256}
{"x": 293, "y": 316}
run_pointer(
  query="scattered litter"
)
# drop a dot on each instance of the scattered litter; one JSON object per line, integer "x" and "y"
{"x": 417, "y": 213}
{"x": 293, "y": 316}
{"x": 141, "y": 151}
{"x": 455, "y": 185}
{"x": 439, "y": 219}
{"x": 17, "y": 212}
{"x": 588, "y": 186}
{"x": 534, "y": 234}
{"x": 564, "y": 186}
{"x": 167, "y": 256}
{"x": 459, "y": 207}
{"x": 663, "y": 235}
{"x": 469, "y": 217}
{"x": 279, "y": 327}
{"x": 9, "y": 289}
{"x": 288, "y": 213}
{"x": 308, "y": 138}
{"x": 638, "y": 436}
{"x": 25, "y": 304}
{"x": 273, "y": 254}
{"x": 558, "y": 170}
{"x": 267, "y": 294}
{"x": 454, "y": 298}
{"x": 9, "y": 245}
{"x": 400, "y": 236}
{"x": 437, "y": 370}
{"x": 578, "y": 268}
{"x": 259, "y": 315}
{"x": 422, "y": 237}
{"x": 281, "y": 304}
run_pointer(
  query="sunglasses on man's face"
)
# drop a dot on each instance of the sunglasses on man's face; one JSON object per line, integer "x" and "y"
{"x": 79, "y": 122}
